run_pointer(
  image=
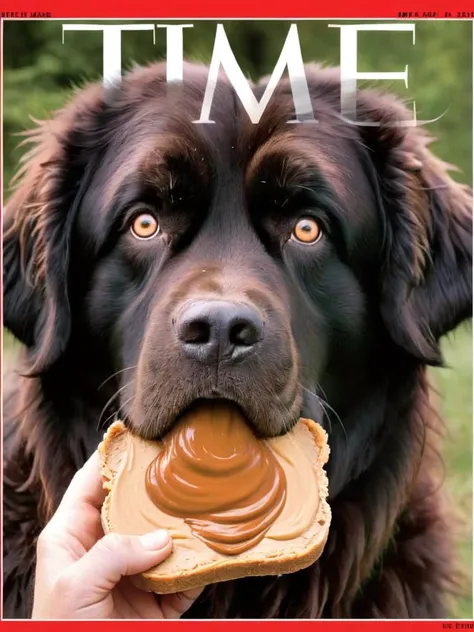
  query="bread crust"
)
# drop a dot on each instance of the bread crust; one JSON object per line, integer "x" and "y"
{"x": 239, "y": 565}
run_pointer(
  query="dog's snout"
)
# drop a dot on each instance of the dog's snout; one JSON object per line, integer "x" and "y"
{"x": 213, "y": 330}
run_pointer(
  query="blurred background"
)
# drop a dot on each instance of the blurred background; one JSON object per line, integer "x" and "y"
{"x": 40, "y": 73}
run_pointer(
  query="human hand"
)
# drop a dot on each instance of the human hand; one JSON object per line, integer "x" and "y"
{"x": 82, "y": 574}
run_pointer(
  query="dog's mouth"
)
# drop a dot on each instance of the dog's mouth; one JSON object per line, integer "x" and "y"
{"x": 261, "y": 419}
{"x": 210, "y": 404}
{"x": 219, "y": 403}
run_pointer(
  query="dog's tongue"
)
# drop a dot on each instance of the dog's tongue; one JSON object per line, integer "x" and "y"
{"x": 216, "y": 475}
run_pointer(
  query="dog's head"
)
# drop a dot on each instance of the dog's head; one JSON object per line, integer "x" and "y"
{"x": 272, "y": 265}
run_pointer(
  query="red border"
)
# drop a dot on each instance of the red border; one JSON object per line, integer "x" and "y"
{"x": 249, "y": 626}
{"x": 214, "y": 9}
{"x": 146, "y": 9}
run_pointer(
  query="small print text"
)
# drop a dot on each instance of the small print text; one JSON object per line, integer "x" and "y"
{"x": 26, "y": 14}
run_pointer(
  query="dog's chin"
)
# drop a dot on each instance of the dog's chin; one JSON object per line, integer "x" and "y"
{"x": 265, "y": 423}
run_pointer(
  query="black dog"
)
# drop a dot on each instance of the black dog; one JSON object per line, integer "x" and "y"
{"x": 295, "y": 269}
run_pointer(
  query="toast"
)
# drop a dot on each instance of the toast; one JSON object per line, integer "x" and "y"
{"x": 283, "y": 549}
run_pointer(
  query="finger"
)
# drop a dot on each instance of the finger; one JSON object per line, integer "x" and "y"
{"x": 136, "y": 603}
{"x": 82, "y": 500}
{"x": 174, "y": 606}
{"x": 76, "y": 524}
{"x": 110, "y": 559}
{"x": 86, "y": 486}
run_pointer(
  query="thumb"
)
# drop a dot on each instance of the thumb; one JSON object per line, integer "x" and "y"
{"x": 115, "y": 556}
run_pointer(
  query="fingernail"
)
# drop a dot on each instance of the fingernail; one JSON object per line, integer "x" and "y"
{"x": 155, "y": 540}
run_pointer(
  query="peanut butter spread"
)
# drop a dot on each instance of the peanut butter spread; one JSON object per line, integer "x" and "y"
{"x": 216, "y": 475}
{"x": 214, "y": 486}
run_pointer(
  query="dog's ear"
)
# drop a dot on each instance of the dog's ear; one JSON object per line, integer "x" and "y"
{"x": 38, "y": 222}
{"x": 426, "y": 277}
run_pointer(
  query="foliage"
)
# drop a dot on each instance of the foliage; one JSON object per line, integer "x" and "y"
{"x": 454, "y": 384}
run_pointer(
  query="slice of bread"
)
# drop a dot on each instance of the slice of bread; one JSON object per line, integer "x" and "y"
{"x": 193, "y": 564}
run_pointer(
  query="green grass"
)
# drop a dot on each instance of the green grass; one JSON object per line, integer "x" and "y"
{"x": 454, "y": 384}
{"x": 455, "y": 387}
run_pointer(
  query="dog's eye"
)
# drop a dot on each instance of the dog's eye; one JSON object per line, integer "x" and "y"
{"x": 307, "y": 231}
{"x": 144, "y": 226}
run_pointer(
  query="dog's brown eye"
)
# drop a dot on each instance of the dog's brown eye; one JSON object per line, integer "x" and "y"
{"x": 307, "y": 231}
{"x": 144, "y": 226}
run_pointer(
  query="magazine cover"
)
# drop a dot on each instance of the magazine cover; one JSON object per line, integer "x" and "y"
{"x": 237, "y": 292}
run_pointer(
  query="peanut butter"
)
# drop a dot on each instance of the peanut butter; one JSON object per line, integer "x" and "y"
{"x": 219, "y": 478}
{"x": 131, "y": 510}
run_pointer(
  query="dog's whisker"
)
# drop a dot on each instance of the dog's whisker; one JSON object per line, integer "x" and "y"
{"x": 110, "y": 400}
{"x": 325, "y": 405}
{"x": 320, "y": 401}
{"x": 128, "y": 368}
{"x": 283, "y": 420}
{"x": 127, "y": 401}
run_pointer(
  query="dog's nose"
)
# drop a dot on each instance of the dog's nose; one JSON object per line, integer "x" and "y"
{"x": 213, "y": 330}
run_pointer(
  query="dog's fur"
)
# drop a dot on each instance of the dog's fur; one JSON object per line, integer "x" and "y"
{"x": 351, "y": 322}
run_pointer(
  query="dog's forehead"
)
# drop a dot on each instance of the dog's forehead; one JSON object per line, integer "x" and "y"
{"x": 161, "y": 141}
{"x": 163, "y": 130}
